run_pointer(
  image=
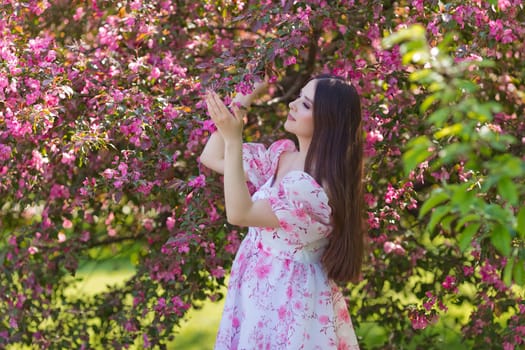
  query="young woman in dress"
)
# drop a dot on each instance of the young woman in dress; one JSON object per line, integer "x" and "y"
{"x": 305, "y": 220}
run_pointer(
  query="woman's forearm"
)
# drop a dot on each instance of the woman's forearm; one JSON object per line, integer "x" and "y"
{"x": 236, "y": 194}
{"x": 241, "y": 210}
{"x": 212, "y": 155}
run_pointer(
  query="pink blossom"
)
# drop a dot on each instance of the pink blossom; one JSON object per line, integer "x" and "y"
{"x": 198, "y": 182}
{"x": 391, "y": 194}
{"x": 391, "y": 247}
{"x": 117, "y": 96}
{"x": 154, "y": 73}
{"x": 418, "y": 321}
{"x": 468, "y": 270}
{"x": 109, "y": 173}
{"x": 123, "y": 167}
{"x": 503, "y": 5}
{"x": 67, "y": 224}
{"x": 85, "y": 236}
{"x": 148, "y": 224}
{"x": 79, "y": 13}
{"x": 218, "y": 272}
{"x": 373, "y": 221}
{"x": 59, "y": 191}
{"x": 288, "y": 61}
{"x": 51, "y": 100}
{"x": 61, "y": 237}
{"x": 146, "y": 343}
{"x": 5, "y": 152}
{"x": 111, "y": 231}
{"x": 33, "y": 84}
{"x": 183, "y": 247}
{"x": 68, "y": 158}
{"x": 170, "y": 223}
{"x": 450, "y": 284}
{"x": 51, "y": 56}
{"x": 430, "y": 302}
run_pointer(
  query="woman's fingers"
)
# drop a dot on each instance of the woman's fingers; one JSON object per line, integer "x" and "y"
{"x": 213, "y": 108}
{"x": 218, "y": 110}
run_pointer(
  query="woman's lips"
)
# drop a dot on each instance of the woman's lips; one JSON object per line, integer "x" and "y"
{"x": 290, "y": 117}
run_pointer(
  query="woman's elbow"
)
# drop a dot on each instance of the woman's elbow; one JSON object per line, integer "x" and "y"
{"x": 204, "y": 159}
{"x": 234, "y": 219}
{"x": 212, "y": 163}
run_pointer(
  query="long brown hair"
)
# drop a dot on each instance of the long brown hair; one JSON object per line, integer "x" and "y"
{"x": 335, "y": 160}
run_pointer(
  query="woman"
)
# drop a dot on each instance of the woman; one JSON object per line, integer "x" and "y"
{"x": 305, "y": 221}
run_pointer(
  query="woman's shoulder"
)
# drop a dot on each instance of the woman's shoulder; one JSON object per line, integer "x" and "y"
{"x": 282, "y": 145}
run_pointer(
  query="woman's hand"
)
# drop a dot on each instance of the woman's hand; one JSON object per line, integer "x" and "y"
{"x": 229, "y": 125}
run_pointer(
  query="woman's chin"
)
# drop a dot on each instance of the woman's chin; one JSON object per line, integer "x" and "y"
{"x": 287, "y": 126}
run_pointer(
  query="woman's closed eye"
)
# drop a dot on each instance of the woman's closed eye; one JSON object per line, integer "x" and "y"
{"x": 306, "y": 104}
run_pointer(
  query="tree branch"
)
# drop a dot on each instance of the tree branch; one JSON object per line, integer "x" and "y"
{"x": 301, "y": 78}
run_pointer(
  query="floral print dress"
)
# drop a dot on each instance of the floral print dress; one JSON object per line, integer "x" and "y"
{"x": 279, "y": 296}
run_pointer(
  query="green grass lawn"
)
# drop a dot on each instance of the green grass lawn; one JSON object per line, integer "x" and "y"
{"x": 197, "y": 331}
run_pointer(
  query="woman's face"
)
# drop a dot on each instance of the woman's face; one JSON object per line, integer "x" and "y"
{"x": 300, "y": 119}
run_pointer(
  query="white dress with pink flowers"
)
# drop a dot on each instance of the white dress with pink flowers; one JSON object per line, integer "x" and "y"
{"x": 279, "y": 296}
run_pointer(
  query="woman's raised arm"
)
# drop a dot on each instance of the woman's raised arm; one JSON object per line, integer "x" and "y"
{"x": 212, "y": 156}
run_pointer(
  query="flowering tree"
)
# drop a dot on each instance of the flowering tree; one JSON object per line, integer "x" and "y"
{"x": 101, "y": 123}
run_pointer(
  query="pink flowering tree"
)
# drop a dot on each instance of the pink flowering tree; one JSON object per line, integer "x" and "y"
{"x": 101, "y": 124}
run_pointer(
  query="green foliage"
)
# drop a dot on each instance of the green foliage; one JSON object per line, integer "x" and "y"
{"x": 462, "y": 132}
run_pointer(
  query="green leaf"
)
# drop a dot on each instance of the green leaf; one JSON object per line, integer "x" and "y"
{"x": 498, "y": 213}
{"x": 521, "y": 223}
{"x": 485, "y": 63}
{"x": 466, "y": 85}
{"x": 427, "y": 103}
{"x": 439, "y": 117}
{"x": 455, "y": 151}
{"x": 508, "y": 272}
{"x": 418, "y": 152}
{"x": 462, "y": 197}
{"x": 508, "y": 190}
{"x": 465, "y": 219}
{"x": 438, "y": 196}
{"x": 465, "y": 237}
{"x": 446, "y": 222}
{"x": 438, "y": 214}
{"x": 451, "y": 130}
{"x": 519, "y": 272}
{"x": 501, "y": 239}
{"x": 414, "y": 32}
{"x": 416, "y": 56}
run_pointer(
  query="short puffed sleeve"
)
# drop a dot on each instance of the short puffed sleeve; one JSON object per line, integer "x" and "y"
{"x": 260, "y": 162}
{"x": 301, "y": 205}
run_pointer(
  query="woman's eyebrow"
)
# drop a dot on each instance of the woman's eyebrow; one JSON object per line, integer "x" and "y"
{"x": 306, "y": 97}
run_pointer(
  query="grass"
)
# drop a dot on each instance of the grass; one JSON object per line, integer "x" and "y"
{"x": 197, "y": 331}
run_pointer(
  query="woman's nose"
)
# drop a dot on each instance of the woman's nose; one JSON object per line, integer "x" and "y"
{"x": 291, "y": 105}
